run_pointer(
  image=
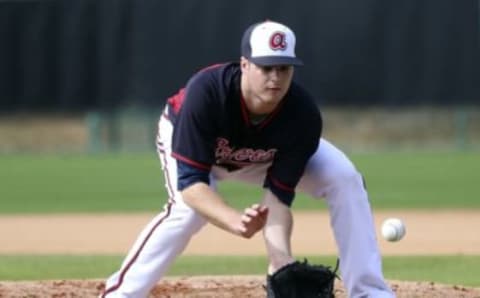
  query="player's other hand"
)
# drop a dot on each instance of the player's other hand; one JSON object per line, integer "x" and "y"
{"x": 252, "y": 220}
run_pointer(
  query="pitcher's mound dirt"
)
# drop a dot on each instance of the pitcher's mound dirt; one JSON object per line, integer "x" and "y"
{"x": 211, "y": 287}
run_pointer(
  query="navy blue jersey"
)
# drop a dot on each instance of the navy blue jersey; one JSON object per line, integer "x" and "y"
{"x": 212, "y": 127}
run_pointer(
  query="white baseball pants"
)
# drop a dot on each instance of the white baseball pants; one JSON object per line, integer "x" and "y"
{"x": 329, "y": 174}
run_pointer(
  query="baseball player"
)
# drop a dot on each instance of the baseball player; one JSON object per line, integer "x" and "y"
{"x": 249, "y": 121}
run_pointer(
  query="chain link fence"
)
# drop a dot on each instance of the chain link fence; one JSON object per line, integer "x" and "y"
{"x": 352, "y": 129}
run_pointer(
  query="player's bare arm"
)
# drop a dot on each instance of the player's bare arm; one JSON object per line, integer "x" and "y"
{"x": 211, "y": 205}
{"x": 277, "y": 233}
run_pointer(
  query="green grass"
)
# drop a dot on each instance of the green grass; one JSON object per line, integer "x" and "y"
{"x": 105, "y": 183}
{"x": 422, "y": 180}
{"x": 38, "y": 267}
{"x": 460, "y": 270}
{"x": 134, "y": 182}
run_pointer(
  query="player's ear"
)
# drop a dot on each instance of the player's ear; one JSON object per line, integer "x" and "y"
{"x": 243, "y": 63}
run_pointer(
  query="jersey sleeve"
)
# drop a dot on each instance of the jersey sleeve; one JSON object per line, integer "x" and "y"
{"x": 188, "y": 175}
{"x": 195, "y": 127}
{"x": 290, "y": 162}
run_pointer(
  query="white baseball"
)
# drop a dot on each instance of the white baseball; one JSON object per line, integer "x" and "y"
{"x": 393, "y": 229}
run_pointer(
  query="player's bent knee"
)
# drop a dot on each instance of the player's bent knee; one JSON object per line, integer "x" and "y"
{"x": 346, "y": 185}
{"x": 323, "y": 182}
{"x": 346, "y": 175}
{"x": 352, "y": 178}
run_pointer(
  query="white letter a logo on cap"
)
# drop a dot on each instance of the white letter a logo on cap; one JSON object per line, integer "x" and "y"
{"x": 277, "y": 41}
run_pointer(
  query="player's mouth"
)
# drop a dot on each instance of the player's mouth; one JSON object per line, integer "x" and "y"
{"x": 274, "y": 89}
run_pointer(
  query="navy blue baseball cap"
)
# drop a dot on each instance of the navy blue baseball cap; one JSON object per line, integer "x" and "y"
{"x": 269, "y": 43}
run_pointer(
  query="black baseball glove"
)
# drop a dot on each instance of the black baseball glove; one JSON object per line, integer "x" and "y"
{"x": 302, "y": 280}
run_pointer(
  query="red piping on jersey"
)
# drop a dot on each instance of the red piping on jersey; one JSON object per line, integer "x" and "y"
{"x": 281, "y": 185}
{"x": 191, "y": 162}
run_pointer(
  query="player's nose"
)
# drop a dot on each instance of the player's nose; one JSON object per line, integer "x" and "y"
{"x": 275, "y": 74}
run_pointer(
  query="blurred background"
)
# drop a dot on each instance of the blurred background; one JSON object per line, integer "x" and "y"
{"x": 83, "y": 82}
{"x": 92, "y": 76}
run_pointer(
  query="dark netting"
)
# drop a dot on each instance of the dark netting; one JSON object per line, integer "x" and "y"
{"x": 57, "y": 54}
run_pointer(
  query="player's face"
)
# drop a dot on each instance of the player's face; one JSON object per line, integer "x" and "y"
{"x": 263, "y": 87}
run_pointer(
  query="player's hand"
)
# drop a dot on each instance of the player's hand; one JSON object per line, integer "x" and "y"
{"x": 253, "y": 220}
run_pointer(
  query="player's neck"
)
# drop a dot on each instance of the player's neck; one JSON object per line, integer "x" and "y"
{"x": 256, "y": 119}
{"x": 256, "y": 107}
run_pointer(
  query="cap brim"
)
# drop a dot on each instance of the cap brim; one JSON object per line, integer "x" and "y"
{"x": 276, "y": 60}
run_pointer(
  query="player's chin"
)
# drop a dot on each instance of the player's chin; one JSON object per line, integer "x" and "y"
{"x": 272, "y": 98}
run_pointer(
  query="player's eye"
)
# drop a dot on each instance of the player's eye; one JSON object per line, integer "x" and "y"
{"x": 267, "y": 68}
{"x": 279, "y": 68}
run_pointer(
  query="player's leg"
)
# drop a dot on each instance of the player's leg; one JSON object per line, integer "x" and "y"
{"x": 157, "y": 246}
{"x": 330, "y": 174}
{"x": 162, "y": 240}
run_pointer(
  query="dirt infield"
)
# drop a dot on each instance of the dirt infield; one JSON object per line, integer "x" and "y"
{"x": 428, "y": 232}
{"x": 211, "y": 287}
